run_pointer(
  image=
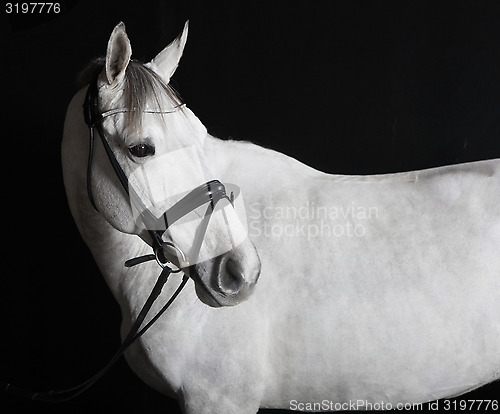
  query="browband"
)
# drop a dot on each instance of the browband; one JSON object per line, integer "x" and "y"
{"x": 123, "y": 110}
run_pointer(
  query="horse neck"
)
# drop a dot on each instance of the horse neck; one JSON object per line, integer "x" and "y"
{"x": 256, "y": 170}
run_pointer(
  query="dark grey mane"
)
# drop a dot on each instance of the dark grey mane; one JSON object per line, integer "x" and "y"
{"x": 141, "y": 85}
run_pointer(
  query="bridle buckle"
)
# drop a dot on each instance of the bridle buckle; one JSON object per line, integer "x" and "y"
{"x": 164, "y": 262}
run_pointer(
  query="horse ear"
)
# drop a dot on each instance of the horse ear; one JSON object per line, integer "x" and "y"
{"x": 118, "y": 54}
{"x": 166, "y": 62}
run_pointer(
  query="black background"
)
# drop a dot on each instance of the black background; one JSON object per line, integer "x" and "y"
{"x": 353, "y": 87}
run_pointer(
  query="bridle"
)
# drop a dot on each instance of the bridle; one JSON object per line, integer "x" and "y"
{"x": 210, "y": 192}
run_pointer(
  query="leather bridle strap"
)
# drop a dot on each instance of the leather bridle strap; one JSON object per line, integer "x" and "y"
{"x": 94, "y": 121}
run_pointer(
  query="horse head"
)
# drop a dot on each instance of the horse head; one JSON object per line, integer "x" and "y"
{"x": 157, "y": 145}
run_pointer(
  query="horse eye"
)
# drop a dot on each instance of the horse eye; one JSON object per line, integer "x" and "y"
{"x": 142, "y": 150}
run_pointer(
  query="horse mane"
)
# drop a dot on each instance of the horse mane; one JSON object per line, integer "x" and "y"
{"x": 140, "y": 86}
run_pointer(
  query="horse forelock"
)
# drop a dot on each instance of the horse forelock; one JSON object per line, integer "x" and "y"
{"x": 142, "y": 89}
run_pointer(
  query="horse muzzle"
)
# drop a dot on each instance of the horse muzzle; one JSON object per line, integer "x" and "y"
{"x": 228, "y": 279}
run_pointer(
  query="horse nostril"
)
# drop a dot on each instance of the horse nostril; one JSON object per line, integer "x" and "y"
{"x": 231, "y": 277}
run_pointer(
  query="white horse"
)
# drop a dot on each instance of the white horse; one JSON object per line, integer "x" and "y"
{"x": 373, "y": 289}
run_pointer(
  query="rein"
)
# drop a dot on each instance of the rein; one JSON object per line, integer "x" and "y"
{"x": 211, "y": 192}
